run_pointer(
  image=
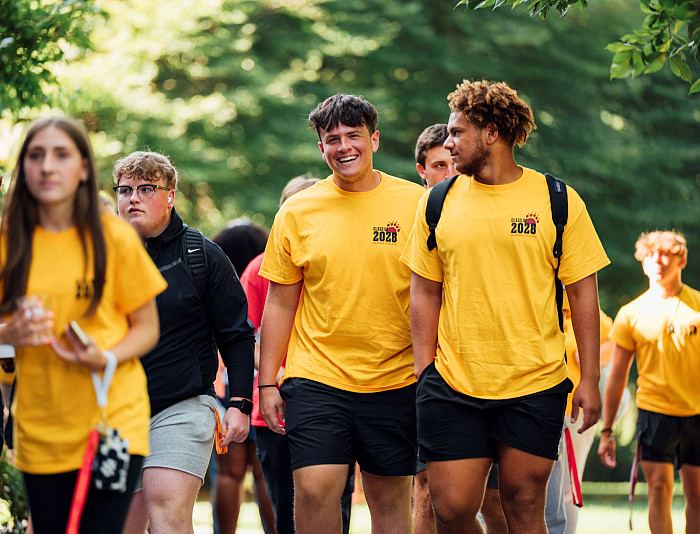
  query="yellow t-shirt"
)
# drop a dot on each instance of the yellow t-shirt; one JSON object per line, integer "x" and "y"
{"x": 498, "y": 333}
{"x": 55, "y": 406}
{"x": 668, "y": 363}
{"x": 352, "y": 328}
{"x": 573, "y": 367}
{"x": 6, "y": 378}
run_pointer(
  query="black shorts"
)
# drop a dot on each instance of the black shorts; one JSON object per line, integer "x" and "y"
{"x": 666, "y": 438}
{"x": 454, "y": 426}
{"x": 326, "y": 425}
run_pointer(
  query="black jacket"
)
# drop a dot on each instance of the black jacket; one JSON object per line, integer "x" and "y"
{"x": 184, "y": 363}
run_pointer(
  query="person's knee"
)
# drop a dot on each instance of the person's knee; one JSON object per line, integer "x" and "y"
{"x": 231, "y": 473}
{"x": 310, "y": 494}
{"x": 453, "y": 507}
{"x": 171, "y": 499}
{"x": 519, "y": 501}
{"x": 232, "y": 465}
{"x": 387, "y": 493}
{"x": 309, "y": 498}
{"x": 660, "y": 490}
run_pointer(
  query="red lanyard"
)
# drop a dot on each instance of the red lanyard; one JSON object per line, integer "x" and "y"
{"x": 573, "y": 471}
{"x": 82, "y": 485}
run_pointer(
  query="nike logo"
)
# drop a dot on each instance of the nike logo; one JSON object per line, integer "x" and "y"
{"x": 191, "y": 250}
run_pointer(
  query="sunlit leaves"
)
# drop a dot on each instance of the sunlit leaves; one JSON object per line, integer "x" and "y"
{"x": 669, "y": 31}
{"x": 33, "y": 36}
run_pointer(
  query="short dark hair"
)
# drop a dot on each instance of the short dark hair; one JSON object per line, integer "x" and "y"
{"x": 434, "y": 135}
{"x": 241, "y": 240}
{"x": 494, "y": 103}
{"x": 350, "y": 110}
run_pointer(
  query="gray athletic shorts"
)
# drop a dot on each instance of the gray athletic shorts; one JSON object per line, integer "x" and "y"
{"x": 182, "y": 436}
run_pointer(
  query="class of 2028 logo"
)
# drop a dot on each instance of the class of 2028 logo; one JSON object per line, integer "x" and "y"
{"x": 524, "y": 225}
{"x": 386, "y": 234}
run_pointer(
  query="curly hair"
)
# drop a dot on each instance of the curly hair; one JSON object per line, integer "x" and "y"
{"x": 494, "y": 103}
{"x": 146, "y": 166}
{"x": 668, "y": 241}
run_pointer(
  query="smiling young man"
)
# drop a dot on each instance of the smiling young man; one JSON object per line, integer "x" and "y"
{"x": 348, "y": 387}
{"x": 490, "y": 354}
{"x": 660, "y": 329}
{"x": 197, "y": 317}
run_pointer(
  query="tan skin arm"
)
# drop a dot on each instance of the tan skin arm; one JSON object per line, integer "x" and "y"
{"x": 614, "y": 389}
{"x": 276, "y": 329}
{"x": 426, "y": 299}
{"x": 585, "y": 318}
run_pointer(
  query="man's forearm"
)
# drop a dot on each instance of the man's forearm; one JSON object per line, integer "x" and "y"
{"x": 585, "y": 319}
{"x": 426, "y": 299}
{"x": 615, "y": 383}
{"x": 276, "y": 329}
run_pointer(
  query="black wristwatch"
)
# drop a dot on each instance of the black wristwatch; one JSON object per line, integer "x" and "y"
{"x": 244, "y": 405}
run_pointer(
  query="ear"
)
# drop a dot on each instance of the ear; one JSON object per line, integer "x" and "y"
{"x": 421, "y": 170}
{"x": 491, "y": 133}
{"x": 375, "y": 141}
{"x": 323, "y": 152}
{"x": 171, "y": 198}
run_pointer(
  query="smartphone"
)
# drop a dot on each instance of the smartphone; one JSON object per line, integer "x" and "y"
{"x": 78, "y": 332}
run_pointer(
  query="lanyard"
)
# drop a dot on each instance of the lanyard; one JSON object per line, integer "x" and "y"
{"x": 82, "y": 485}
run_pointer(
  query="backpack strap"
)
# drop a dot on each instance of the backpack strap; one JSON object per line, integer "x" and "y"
{"x": 433, "y": 208}
{"x": 560, "y": 215}
{"x": 194, "y": 254}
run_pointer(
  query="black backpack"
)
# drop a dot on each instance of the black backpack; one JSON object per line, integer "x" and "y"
{"x": 195, "y": 256}
{"x": 560, "y": 214}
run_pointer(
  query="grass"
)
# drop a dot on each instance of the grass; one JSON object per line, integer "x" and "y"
{"x": 605, "y": 511}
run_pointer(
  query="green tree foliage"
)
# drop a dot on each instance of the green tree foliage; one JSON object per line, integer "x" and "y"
{"x": 33, "y": 36}
{"x": 224, "y": 87}
{"x": 669, "y": 33}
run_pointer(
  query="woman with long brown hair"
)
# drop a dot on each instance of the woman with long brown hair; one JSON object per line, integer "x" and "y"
{"x": 63, "y": 259}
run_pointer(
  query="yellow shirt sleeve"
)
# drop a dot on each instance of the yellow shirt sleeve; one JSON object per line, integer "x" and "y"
{"x": 416, "y": 256}
{"x": 278, "y": 264}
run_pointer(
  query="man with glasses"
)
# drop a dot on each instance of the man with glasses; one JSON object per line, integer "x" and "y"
{"x": 196, "y": 317}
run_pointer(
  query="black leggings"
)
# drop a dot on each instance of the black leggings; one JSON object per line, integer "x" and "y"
{"x": 50, "y": 497}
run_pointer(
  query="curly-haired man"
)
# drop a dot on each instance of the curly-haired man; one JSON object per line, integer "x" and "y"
{"x": 490, "y": 355}
{"x": 660, "y": 329}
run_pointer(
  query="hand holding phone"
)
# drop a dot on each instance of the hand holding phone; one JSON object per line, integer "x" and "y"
{"x": 78, "y": 332}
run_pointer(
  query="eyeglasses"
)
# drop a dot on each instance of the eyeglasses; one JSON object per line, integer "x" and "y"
{"x": 143, "y": 190}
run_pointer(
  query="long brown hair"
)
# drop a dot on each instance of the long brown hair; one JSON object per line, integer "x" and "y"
{"x": 21, "y": 216}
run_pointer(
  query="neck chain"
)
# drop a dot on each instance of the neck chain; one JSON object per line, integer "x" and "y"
{"x": 671, "y": 328}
